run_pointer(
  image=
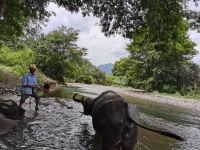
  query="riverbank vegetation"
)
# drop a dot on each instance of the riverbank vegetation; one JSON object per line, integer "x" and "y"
{"x": 56, "y": 55}
{"x": 161, "y": 53}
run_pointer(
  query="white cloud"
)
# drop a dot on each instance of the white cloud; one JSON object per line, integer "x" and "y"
{"x": 101, "y": 49}
{"x": 68, "y": 19}
{"x": 195, "y": 37}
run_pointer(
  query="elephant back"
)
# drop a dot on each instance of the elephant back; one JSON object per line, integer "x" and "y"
{"x": 105, "y": 98}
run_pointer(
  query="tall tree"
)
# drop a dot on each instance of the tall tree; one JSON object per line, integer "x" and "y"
{"x": 58, "y": 54}
{"x": 161, "y": 51}
{"x": 21, "y": 17}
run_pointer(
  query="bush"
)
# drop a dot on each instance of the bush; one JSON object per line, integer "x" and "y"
{"x": 169, "y": 89}
{"x": 88, "y": 79}
{"x": 7, "y": 75}
{"x": 114, "y": 80}
{"x": 22, "y": 58}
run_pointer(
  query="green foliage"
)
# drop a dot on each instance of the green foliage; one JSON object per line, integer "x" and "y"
{"x": 115, "y": 80}
{"x": 87, "y": 79}
{"x": 193, "y": 94}
{"x": 21, "y": 18}
{"x": 8, "y": 75}
{"x": 117, "y": 16}
{"x": 15, "y": 63}
{"x": 90, "y": 74}
{"x": 59, "y": 57}
{"x": 161, "y": 51}
{"x": 57, "y": 53}
{"x": 12, "y": 75}
{"x": 19, "y": 59}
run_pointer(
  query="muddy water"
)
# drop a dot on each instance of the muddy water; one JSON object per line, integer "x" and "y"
{"x": 59, "y": 124}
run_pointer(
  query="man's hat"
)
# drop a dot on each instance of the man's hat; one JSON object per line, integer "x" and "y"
{"x": 32, "y": 66}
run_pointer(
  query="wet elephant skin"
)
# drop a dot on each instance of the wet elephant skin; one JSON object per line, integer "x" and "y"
{"x": 110, "y": 119}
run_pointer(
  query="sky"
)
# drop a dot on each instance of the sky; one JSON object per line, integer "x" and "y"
{"x": 101, "y": 49}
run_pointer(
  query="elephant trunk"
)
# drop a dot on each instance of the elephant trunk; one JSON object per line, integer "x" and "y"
{"x": 78, "y": 100}
{"x": 87, "y": 103}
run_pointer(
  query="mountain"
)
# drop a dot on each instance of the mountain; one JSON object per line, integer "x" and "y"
{"x": 107, "y": 68}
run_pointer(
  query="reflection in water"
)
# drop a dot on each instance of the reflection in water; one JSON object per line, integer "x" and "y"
{"x": 60, "y": 125}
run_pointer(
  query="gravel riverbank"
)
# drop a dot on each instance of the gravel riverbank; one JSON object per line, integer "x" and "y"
{"x": 186, "y": 103}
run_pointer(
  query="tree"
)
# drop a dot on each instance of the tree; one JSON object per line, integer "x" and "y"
{"x": 58, "y": 54}
{"x": 116, "y": 16}
{"x": 90, "y": 74}
{"x": 20, "y": 18}
{"x": 161, "y": 51}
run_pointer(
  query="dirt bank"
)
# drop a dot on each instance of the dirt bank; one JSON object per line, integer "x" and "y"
{"x": 186, "y": 103}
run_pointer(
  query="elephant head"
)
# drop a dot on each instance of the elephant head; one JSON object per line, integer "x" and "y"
{"x": 11, "y": 109}
{"x": 115, "y": 120}
{"x": 87, "y": 103}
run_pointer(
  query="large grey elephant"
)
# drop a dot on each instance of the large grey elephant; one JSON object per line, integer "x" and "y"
{"x": 11, "y": 109}
{"x": 115, "y": 120}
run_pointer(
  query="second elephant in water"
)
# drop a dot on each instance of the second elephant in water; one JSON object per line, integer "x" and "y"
{"x": 115, "y": 120}
{"x": 11, "y": 109}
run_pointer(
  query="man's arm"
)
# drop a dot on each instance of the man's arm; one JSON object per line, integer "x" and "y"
{"x": 25, "y": 82}
{"x": 36, "y": 85}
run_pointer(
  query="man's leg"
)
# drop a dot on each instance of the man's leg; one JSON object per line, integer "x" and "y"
{"x": 37, "y": 100}
{"x": 22, "y": 100}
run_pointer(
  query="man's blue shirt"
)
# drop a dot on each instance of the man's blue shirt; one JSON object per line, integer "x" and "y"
{"x": 28, "y": 79}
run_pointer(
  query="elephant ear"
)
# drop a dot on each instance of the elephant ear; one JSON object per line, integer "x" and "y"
{"x": 6, "y": 124}
{"x": 134, "y": 116}
{"x": 133, "y": 112}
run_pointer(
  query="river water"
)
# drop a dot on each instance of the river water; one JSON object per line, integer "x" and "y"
{"x": 59, "y": 124}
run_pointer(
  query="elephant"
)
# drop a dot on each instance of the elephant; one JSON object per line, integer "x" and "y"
{"x": 115, "y": 120}
{"x": 11, "y": 109}
{"x": 6, "y": 124}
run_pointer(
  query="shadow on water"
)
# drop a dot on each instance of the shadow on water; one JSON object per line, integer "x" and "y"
{"x": 59, "y": 124}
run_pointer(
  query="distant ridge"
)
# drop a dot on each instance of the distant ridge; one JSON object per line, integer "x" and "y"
{"x": 107, "y": 68}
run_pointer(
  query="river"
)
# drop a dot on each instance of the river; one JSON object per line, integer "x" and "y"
{"x": 59, "y": 124}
